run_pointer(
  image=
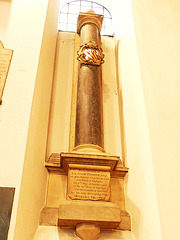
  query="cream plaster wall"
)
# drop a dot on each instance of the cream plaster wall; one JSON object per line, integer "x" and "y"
{"x": 22, "y": 147}
{"x": 59, "y": 126}
{"x": 149, "y": 113}
{"x": 141, "y": 199}
{"x": 33, "y": 185}
{"x": 157, "y": 29}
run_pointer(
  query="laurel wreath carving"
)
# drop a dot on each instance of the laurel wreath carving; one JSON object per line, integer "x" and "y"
{"x": 90, "y": 53}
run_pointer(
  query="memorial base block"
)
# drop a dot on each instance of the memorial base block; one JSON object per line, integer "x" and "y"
{"x": 104, "y": 214}
{"x": 86, "y": 191}
{"x": 50, "y": 217}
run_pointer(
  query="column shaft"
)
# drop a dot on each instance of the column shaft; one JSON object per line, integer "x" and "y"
{"x": 89, "y": 124}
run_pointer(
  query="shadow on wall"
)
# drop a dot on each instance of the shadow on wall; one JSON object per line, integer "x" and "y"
{"x": 135, "y": 217}
{"x": 132, "y": 208}
{"x": 67, "y": 234}
{"x": 104, "y": 235}
{"x": 121, "y": 110}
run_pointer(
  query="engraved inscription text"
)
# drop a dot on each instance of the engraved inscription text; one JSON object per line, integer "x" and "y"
{"x": 89, "y": 184}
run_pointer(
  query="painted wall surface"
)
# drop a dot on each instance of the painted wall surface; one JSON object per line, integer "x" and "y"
{"x": 141, "y": 199}
{"x": 59, "y": 124}
{"x": 148, "y": 111}
{"x": 157, "y": 30}
{"x": 22, "y": 147}
{"x": 33, "y": 185}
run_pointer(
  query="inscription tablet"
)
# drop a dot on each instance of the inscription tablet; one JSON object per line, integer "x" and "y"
{"x": 89, "y": 184}
{"x": 6, "y": 202}
{"x": 5, "y": 59}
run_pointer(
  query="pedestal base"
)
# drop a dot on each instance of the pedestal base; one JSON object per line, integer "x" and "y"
{"x": 104, "y": 214}
{"x": 77, "y": 182}
{"x": 50, "y": 217}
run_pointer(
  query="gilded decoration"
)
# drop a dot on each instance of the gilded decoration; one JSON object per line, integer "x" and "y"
{"x": 90, "y": 53}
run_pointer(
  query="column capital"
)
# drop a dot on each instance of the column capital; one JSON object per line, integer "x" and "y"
{"x": 89, "y": 17}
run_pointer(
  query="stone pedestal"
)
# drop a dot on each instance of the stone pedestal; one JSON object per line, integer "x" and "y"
{"x": 68, "y": 204}
{"x": 105, "y": 215}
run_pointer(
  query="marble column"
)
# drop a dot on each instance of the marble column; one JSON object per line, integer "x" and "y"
{"x": 89, "y": 120}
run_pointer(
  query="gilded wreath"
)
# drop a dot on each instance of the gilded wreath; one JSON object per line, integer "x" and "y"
{"x": 91, "y": 54}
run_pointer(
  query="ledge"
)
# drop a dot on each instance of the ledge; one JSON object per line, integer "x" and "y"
{"x": 88, "y": 159}
{"x": 58, "y": 162}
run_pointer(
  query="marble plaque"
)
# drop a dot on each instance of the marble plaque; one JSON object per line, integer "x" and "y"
{"x": 84, "y": 184}
{"x": 6, "y": 202}
{"x": 5, "y": 59}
